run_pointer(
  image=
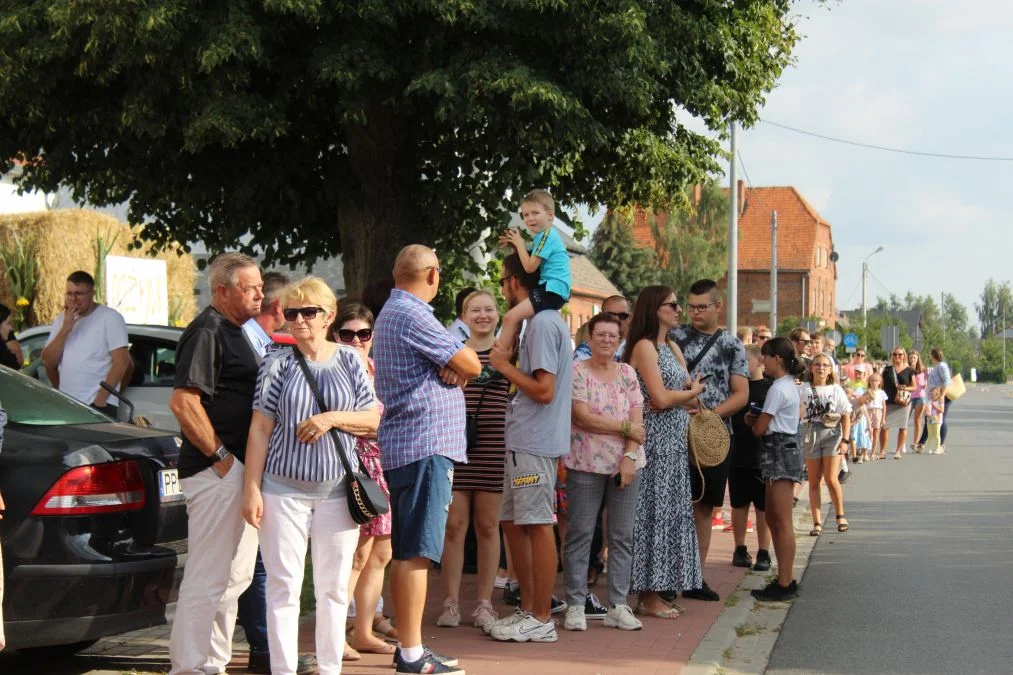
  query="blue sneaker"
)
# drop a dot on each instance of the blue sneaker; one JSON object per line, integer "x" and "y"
{"x": 431, "y": 662}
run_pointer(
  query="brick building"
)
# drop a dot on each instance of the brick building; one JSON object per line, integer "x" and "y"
{"x": 806, "y": 275}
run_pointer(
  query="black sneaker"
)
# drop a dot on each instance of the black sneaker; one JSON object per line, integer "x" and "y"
{"x": 512, "y": 594}
{"x": 593, "y": 609}
{"x": 774, "y": 592}
{"x": 843, "y": 477}
{"x": 741, "y": 557}
{"x": 430, "y": 662}
{"x": 704, "y": 593}
{"x": 557, "y": 606}
{"x": 762, "y": 563}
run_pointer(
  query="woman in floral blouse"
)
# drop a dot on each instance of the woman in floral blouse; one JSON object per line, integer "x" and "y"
{"x": 604, "y": 461}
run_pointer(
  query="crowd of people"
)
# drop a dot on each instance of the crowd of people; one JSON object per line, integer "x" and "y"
{"x": 520, "y": 434}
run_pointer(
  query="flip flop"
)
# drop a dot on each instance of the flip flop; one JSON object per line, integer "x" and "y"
{"x": 668, "y": 613}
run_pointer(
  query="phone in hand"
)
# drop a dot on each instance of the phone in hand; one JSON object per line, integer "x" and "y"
{"x": 755, "y": 409}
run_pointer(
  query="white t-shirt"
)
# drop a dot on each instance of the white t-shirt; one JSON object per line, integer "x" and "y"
{"x": 783, "y": 405}
{"x": 878, "y": 399}
{"x": 818, "y": 401}
{"x": 86, "y": 353}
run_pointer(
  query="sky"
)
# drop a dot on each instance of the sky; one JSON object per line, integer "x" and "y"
{"x": 923, "y": 75}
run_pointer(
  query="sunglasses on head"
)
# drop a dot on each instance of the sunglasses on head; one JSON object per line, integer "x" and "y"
{"x": 308, "y": 313}
{"x": 347, "y": 334}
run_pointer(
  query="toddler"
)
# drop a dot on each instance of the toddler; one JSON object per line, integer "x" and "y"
{"x": 935, "y": 421}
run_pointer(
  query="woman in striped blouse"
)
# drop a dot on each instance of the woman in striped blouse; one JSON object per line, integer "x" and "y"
{"x": 295, "y": 483}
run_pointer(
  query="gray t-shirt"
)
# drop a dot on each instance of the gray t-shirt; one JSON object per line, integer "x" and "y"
{"x": 535, "y": 428}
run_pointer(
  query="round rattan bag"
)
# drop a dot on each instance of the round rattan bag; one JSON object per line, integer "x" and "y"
{"x": 708, "y": 441}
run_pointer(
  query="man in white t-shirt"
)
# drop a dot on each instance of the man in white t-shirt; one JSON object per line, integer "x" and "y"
{"x": 87, "y": 345}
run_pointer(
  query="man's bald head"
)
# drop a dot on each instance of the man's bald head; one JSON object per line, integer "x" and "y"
{"x": 413, "y": 263}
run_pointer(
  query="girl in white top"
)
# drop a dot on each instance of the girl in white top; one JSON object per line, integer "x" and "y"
{"x": 826, "y": 435}
{"x": 780, "y": 459}
{"x": 875, "y": 403}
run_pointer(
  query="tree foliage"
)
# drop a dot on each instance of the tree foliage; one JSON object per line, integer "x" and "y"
{"x": 615, "y": 252}
{"x": 302, "y": 129}
{"x": 996, "y": 306}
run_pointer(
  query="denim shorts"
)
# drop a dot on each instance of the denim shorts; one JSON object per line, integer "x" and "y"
{"x": 420, "y": 495}
{"x": 781, "y": 458}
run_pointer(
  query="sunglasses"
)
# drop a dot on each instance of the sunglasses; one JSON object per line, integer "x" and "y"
{"x": 622, "y": 316}
{"x": 347, "y": 334}
{"x": 307, "y": 313}
{"x": 764, "y": 337}
{"x": 802, "y": 342}
{"x": 674, "y": 305}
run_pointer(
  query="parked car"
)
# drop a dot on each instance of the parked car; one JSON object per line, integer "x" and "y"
{"x": 153, "y": 349}
{"x": 94, "y": 535}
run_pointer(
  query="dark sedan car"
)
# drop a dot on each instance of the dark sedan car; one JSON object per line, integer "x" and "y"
{"x": 94, "y": 536}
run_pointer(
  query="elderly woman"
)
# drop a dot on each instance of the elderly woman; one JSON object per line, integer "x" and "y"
{"x": 478, "y": 485}
{"x": 898, "y": 383}
{"x": 938, "y": 378}
{"x": 604, "y": 461}
{"x": 295, "y": 483}
{"x": 354, "y": 328}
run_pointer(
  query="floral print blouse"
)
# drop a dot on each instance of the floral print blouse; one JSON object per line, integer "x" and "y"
{"x": 601, "y": 453}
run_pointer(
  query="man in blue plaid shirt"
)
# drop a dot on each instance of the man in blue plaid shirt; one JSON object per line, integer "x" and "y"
{"x": 420, "y": 369}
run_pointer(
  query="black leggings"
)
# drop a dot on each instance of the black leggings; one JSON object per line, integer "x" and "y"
{"x": 942, "y": 430}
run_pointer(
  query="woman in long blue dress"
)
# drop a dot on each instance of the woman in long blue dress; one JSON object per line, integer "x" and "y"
{"x": 665, "y": 552}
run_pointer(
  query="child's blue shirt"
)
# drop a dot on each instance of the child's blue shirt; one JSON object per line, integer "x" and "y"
{"x": 555, "y": 267}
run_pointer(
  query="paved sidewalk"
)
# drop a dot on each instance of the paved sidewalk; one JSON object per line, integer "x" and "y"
{"x": 661, "y": 647}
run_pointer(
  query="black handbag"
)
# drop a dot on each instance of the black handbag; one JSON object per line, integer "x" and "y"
{"x": 471, "y": 421}
{"x": 366, "y": 500}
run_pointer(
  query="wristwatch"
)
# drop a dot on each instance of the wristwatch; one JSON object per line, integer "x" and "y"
{"x": 220, "y": 454}
{"x": 630, "y": 455}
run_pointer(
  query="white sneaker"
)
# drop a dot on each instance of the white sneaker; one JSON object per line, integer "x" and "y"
{"x": 510, "y": 620}
{"x": 621, "y": 617}
{"x": 451, "y": 617}
{"x": 575, "y": 618}
{"x": 528, "y": 629}
{"x": 484, "y": 615}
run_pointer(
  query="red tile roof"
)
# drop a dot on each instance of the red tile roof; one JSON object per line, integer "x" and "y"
{"x": 797, "y": 226}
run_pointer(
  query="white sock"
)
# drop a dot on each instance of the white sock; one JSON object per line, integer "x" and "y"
{"x": 410, "y": 654}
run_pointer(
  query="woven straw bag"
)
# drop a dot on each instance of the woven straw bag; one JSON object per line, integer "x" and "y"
{"x": 708, "y": 438}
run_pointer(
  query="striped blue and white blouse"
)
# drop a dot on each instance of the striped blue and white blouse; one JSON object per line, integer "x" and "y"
{"x": 283, "y": 394}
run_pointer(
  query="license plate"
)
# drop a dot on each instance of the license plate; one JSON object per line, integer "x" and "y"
{"x": 169, "y": 489}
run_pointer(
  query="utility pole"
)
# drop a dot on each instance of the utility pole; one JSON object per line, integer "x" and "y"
{"x": 733, "y": 240}
{"x": 865, "y": 284}
{"x": 773, "y": 272}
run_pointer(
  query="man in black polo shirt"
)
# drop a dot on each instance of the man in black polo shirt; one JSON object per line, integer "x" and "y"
{"x": 216, "y": 371}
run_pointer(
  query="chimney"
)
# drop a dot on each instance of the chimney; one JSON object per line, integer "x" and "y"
{"x": 742, "y": 196}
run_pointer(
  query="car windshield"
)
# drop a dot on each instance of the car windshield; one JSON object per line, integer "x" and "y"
{"x": 29, "y": 402}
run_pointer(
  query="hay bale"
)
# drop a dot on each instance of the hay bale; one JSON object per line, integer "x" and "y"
{"x": 66, "y": 240}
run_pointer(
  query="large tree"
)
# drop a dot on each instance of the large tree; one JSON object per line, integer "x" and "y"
{"x": 304, "y": 128}
{"x": 615, "y": 252}
{"x": 996, "y": 307}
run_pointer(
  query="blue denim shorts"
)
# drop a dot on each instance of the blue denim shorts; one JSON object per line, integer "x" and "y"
{"x": 420, "y": 495}
{"x": 781, "y": 458}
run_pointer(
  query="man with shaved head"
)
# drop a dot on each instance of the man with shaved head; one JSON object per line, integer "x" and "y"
{"x": 420, "y": 369}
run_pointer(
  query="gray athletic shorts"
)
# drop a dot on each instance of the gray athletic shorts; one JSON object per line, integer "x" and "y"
{"x": 819, "y": 441}
{"x": 897, "y": 416}
{"x": 529, "y": 489}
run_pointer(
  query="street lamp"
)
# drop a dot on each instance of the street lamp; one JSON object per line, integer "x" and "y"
{"x": 865, "y": 284}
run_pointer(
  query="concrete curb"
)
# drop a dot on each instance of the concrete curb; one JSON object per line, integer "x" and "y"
{"x": 741, "y": 639}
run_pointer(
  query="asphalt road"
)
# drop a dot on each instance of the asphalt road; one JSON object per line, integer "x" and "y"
{"x": 923, "y": 581}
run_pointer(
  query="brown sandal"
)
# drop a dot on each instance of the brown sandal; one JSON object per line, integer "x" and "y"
{"x": 842, "y": 527}
{"x": 817, "y": 530}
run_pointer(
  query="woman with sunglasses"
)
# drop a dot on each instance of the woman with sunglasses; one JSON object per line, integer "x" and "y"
{"x": 898, "y": 383}
{"x": 354, "y": 328}
{"x": 295, "y": 482}
{"x": 666, "y": 555}
{"x": 478, "y": 485}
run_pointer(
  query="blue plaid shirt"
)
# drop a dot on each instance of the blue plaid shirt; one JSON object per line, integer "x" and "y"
{"x": 422, "y": 416}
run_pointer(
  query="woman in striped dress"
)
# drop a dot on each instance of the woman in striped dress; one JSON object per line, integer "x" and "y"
{"x": 295, "y": 482}
{"x": 478, "y": 485}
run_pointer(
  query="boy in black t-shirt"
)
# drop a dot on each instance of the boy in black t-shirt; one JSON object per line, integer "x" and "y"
{"x": 745, "y": 484}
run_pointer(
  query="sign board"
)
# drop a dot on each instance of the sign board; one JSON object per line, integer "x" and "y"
{"x": 761, "y": 306}
{"x": 851, "y": 341}
{"x": 138, "y": 289}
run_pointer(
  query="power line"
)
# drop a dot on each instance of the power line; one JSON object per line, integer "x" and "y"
{"x": 746, "y": 173}
{"x": 883, "y": 148}
{"x": 854, "y": 290}
{"x": 883, "y": 286}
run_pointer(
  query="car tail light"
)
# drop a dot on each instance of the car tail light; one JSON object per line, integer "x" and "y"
{"x": 95, "y": 488}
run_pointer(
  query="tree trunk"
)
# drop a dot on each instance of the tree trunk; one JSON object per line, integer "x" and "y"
{"x": 372, "y": 220}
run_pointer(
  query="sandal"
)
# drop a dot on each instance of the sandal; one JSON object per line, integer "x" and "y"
{"x": 817, "y": 530}
{"x": 385, "y": 648}
{"x": 667, "y": 613}
{"x": 842, "y": 527}
{"x": 384, "y": 629}
{"x": 350, "y": 654}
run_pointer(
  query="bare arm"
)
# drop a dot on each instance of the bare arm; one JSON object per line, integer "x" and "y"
{"x": 645, "y": 361}
{"x": 193, "y": 420}
{"x": 738, "y": 400}
{"x": 52, "y": 354}
{"x": 362, "y": 423}
{"x": 121, "y": 361}
{"x": 261, "y": 427}
{"x": 762, "y": 422}
{"x": 465, "y": 363}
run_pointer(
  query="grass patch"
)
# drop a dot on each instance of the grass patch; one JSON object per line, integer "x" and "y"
{"x": 727, "y": 653}
{"x": 732, "y": 600}
{"x": 745, "y": 629}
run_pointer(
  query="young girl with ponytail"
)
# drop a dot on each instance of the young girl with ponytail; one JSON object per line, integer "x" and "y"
{"x": 780, "y": 459}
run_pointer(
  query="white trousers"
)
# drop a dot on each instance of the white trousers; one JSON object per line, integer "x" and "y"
{"x": 222, "y": 550}
{"x": 286, "y": 527}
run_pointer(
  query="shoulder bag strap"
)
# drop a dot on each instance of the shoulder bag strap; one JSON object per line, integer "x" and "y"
{"x": 695, "y": 361}
{"x": 315, "y": 388}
